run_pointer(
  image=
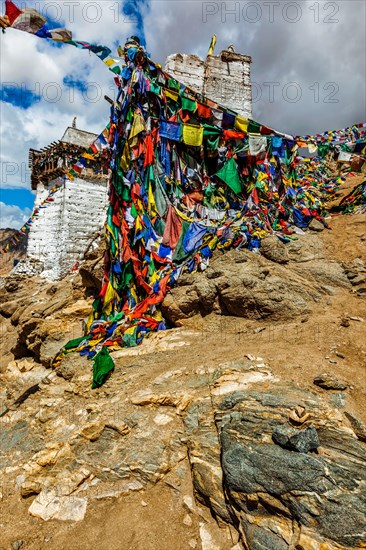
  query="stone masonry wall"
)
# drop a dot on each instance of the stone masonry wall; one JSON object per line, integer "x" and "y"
{"x": 66, "y": 226}
{"x": 189, "y": 69}
{"x": 224, "y": 78}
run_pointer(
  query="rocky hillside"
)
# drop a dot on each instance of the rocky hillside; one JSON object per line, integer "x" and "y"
{"x": 243, "y": 427}
{"x": 7, "y": 260}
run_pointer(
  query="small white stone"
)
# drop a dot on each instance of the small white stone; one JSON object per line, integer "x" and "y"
{"x": 188, "y": 503}
{"x": 187, "y": 520}
{"x": 162, "y": 419}
{"x": 49, "y": 505}
{"x": 206, "y": 538}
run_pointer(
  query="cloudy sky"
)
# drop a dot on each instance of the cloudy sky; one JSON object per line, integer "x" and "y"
{"x": 308, "y": 68}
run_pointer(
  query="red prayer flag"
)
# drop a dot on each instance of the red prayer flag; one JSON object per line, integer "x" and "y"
{"x": 12, "y": 11}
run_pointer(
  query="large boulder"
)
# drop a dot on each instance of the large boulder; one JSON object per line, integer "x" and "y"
{"x": 244, "y": 284}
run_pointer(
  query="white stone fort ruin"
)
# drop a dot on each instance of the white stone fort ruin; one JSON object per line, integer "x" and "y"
{"x": 66, "y": 227}
{"x": 224, "y": 78}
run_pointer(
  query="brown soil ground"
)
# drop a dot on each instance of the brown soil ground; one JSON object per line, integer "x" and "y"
{"x": 295, "y": 351}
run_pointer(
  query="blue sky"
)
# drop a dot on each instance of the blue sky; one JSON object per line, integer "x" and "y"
{"x": 21, "y": 197}
{"x": 320, "y": 46}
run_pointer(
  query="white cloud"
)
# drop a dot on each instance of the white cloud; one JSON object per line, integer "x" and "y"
{"x": 30, "y": 63}
{"x": 11, "y": 216}
{"x": 326, "y": 45}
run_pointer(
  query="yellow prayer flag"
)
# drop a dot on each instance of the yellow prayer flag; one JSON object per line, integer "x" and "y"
{"x": 182, "y": 216}
{"x": 153, "y": 278}
{"x": 212, "y": 45}
{"x": 138, "y": 124}
{"x": 172, "y": 94}
{"x": 110, "y": 61}
{"x": 158, "y": 316}
{"x": 130, "y": 330}
{"x": 151, "y": 202}
{"x": 91, "y": 318}
{"x": 192, "y": 134}
{"x": 262, "y": 176}
{"x": 109, "y": 296}
{"x": 212, "y": 243}
{"x": 133, "y": 292}
{"x": 241, "y": 123}
{"x": 138, "y": 225}
{"x": 125, "y": 158}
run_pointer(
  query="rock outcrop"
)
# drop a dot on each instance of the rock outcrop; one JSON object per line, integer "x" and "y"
{"x": 278, "y": 467}
{"x": 281, "y": 283}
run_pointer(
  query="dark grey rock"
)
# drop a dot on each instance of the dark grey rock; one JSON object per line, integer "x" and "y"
{"x": 204, "y": 452}
{"x": 302, "y": 441}
{"x": 329, "y": 382}
{"x": 262, "y": 539}
{"x": 358, "y": 427}
{"x": 262, "y": 480}
{"x": 359, "y": 280}
{"x": 18, "y": 437}
{"x": 258, "y": 467}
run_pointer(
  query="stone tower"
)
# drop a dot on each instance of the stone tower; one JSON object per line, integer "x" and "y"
{"x": 224, "y": 78}
{"x": 65, "y": 228}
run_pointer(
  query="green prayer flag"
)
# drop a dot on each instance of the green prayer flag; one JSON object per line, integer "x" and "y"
{"x": 126, "y": 276}
{"x": 130, "y": 340}
{"x": 159, "y": 226}
{"x": 229, "y": 174}
{"x": 154, "y": 87}
{"x": 253, "y": 127}
{"x": 180, "y": 254}
{"x": 118, "y": 180}
{"x": 133, "y": 210}
{"x": 160, "y": 200}
{"x": 213, "y": 142}
{"x": 103, "y": 366}
{"x": 71, "y": 344}
{"x": 210, "y": 130}
{"x": 172, "y": 83}
{"x": 323, "y": 149}
{"x": 344, "y": 147}
{"x": 188, "y": 104}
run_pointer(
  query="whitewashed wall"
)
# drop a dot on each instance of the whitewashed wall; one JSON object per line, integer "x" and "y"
{"x": 224, "y": 78}
{"x": 189, "y": 69}
{"x": 66, "y": 226}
